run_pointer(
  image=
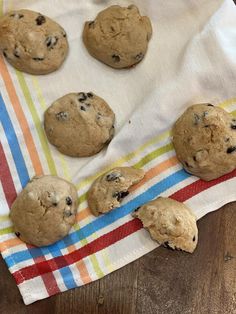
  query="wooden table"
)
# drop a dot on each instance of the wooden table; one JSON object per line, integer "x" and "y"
{"x": 163, "y": 281}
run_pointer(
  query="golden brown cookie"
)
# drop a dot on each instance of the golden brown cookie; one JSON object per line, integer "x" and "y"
{"x": 79, "y": 124}
{"x": 204, "y": 139}
{"x": 170, "y": 223}
{"x": 44, "y": 211}
{"x": 32, "y": 42}
{"x": 109, "y": 189}
{"x": 118, "y": 36}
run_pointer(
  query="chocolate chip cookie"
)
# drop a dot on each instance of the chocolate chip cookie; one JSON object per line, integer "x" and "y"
{"x": 204, "y": 139}
{"x": 170, "y": 223}
{"x": 108, "y": 190}
{"x": 79, "y": 124}
{"x": 44, "y": 211}
{"x": 32, "y": 42}
{"x": 118, "y": 36}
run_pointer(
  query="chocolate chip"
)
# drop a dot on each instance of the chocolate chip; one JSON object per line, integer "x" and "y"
{"x": 64, "y": 34}
{"x": 62, "y": 116}
{"x": 17, "y": 234}
{"x": 166, "y": 245}
{"x": 233, "y": 124}
{"x": 137, "y": 209}
{"x": 231, "y": 149}
{"x": 113, "y": 176}
{"x": 210, "y": 105}
{"x": 51, "y": 41}
{"x": 227, "y": 139}
{"x": 38, "y": 59}
{"x": 55, "y": 204}
{"x": 196, "y": 118}
{"x": 113, "y": 126}
{"x": 186, "y": 164}
{"x": 67, "y": 213}
{"x": 139, "y": 56}
{"x": 91, "y": 24}
{"x": 194, "y": 158}
{"x": 40, "y": 20}
{"x": 120, "y": 195}
{"x": 68, "y": 201}
{"x": 194, "y": 238}
{"x": 82, "y": 108}
{"x": 116, "y": 58}
{"x": 90, "y": 95}
{"x": 17, "y": 16}
{"x": 5, "y": 54}
{"x": 16, "y": 52}
{"x": 82, "y": 97}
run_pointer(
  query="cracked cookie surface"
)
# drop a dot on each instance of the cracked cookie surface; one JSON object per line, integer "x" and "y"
{"x": 79, "y": 124}
{"x": 109, "y": 189}
{"x": 32, "y": 42}
{"x": 204, "y": 139}
{"x": 170, "y": 223}
{"x": 118, "y": 36}
{"x": 45, "y": 210}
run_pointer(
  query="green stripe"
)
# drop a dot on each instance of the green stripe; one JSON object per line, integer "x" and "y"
{"x": 82, "y": 198}
{"x": 93, "y": 260}
{"x": 156, "y": 153}
{"x": 37, "y": 123}
{"x": 6, "y": 230}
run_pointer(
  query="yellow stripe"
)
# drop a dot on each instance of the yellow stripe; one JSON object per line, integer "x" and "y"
{"x": 146, "y": 159}
{"x": 4, "y": 217}
{"x": 43, "y": 105}
{"x": 67, "y": 175}
{"x": 156, "y": 153}
{"x": 37, "y": 122}
{"x": 227, "y": 103}
{"x": 128, "y": 157}
{"x": 6, "y": 230}
{"x": 124, "y": 159}
{"x": 1, "y": 7}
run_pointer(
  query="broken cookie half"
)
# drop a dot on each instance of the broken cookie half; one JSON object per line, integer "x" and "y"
{"x": 170, "y": 223}
{"x": 109, "y": 189}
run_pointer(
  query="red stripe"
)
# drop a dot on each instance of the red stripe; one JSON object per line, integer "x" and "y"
{"x": 6, "y": 178}
{"x": 10, "y": 194}
{"x": 48, "y": 278}
{"x": 198, "y": 186}
{"x": 111, "y": 237}
{"x": 91, "y": 248}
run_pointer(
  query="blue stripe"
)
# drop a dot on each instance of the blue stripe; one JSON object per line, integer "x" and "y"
{"x": 65, "y": 272}
{"x": 13, "y": 144}
{"x": 107, "y": 219}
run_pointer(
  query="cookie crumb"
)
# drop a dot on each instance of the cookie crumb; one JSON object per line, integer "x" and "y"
{"x": 228, "y": 257}
{"x": 100, "y": 299}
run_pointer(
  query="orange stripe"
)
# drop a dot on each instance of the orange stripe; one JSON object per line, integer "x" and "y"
{"x": 148, "y": 176}
{"x": 155, "y": 171}
{"x": 171, "y": 162}
{"x": 81, "y": 267}
{"x": 21, "y": 118}
{"x": 9, "y": 243}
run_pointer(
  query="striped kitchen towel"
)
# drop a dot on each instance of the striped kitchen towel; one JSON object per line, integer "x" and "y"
{"x": 191, "y": 59}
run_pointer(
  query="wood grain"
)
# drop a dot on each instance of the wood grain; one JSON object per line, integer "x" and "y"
{"x": 163, "y": 281}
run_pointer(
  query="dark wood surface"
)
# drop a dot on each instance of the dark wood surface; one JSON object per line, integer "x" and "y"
{"x": 163, "y": 281}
